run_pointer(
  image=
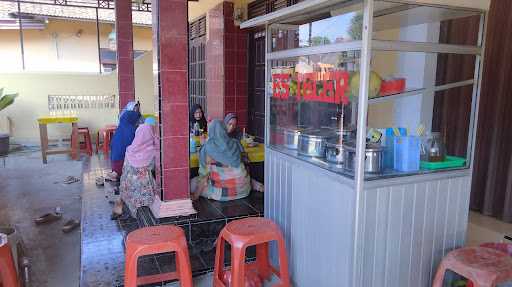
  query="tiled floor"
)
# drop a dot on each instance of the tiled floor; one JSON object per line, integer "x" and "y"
{"x": 102, "y": 238}
{"x": 483, "y": 228}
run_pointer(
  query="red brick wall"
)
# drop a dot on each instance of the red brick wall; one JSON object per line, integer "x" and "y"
{"x": 226, "y": 65}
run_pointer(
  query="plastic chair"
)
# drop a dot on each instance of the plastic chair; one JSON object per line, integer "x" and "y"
{"x": 107, "y": 133}
{"x": 503, "y": 247}
{"x": 241, "y": 234}
{"x": 8, "y": 274}
{"x": 485, "y": 267}
{"x": 86, "y": 145}
{"x": 154, "y": 240}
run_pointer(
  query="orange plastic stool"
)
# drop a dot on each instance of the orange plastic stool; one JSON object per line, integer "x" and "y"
{"x": 8, "y": 274}
{"x": 241, "y": 234}
{"x": 485, "y": 267}
{"x": 154, "y": 240}
{"x": 107, "y": 133}
{"x": 86, "y": 145}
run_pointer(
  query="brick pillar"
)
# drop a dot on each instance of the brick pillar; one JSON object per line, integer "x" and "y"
{"x": 124, "y": 41}
{"x": 170, "y": 48}
{"x": 226, "y": 65}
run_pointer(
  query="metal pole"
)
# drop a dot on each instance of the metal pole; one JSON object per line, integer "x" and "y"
{"x": 22, "y": 45}
{"x": 477, "y": 85}
{"x": 98, "y": 39}
{"x": 366, "y": 53}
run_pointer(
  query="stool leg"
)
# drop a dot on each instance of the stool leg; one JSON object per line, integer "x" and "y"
{"x": 130, "y": 268}
{"x": 97, "y": 142}
{"x": 262, "y": 261}
{"x": 183, "y": 267}
{"x": 106, "y": 143}
{"x": 439, "y": 278}
{"x": 218, "y": 272}
{"x": 283, "y": 264}
{"x": 88, "y": 144}
{"x": 237, "y": 266}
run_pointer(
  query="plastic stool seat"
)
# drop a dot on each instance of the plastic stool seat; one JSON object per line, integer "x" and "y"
{"x": 154, "y": 240}
{"x": 485, "y": 267}
{"x": 240, "y": 234}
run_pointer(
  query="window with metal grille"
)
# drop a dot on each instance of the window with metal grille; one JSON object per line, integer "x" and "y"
{"x": 68, "y": 104}
{"x": 197, "y": 63}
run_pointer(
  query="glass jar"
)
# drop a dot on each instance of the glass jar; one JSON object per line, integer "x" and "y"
{"x": 434, "y": 150}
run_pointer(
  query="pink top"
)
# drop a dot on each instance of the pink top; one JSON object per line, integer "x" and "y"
{"x": 142, "y": 150}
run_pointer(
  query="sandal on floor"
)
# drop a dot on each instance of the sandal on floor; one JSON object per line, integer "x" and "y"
{"x": 48, "y": 218}
{"x": 71, "y": 179}
{"x": 70, "y": 225}
{"x": 100, "y": 181}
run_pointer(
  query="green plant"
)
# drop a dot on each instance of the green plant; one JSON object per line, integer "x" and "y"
{"x": 6, "y": 100}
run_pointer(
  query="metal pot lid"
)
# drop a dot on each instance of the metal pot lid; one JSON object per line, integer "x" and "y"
{"x": 351, "y": 146}
{"x": 320, "y": 134}
{"x": 334, "y": 142}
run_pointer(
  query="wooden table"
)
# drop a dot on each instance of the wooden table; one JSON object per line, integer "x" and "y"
{"x": 43, "y": 133}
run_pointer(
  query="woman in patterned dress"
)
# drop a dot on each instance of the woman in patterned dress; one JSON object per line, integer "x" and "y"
{"x": 137, "y": 182}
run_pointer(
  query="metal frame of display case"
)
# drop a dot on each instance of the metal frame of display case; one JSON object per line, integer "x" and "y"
{"x": 367, "y": 45}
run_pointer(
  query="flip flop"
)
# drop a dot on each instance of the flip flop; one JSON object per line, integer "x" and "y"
{"x": 71, "y": 179}
{"x": 48, "y": 218}
{"x": 70, "y": 225}
{"x": 100, "y": 181}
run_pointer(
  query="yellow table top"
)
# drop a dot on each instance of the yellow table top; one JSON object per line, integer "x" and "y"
{"x": 255, "y": 154}
{"x": 57, "y": 120}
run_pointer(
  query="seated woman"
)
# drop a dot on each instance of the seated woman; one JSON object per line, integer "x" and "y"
{"x": 197, "y": 117}
{"x": 123, "y": 137}
{"x": 137, "y": 182}
{"x": 221, "y": 166}
{"x": 231, "y": 122}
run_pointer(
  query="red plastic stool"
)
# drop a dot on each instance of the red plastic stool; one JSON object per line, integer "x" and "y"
{"x": 8, "y": 274}
{"x": 154, "y": 240}
{"x": 503, "y": 247}
{"x": 107, "y": 133}
{"x": 485, "y": 267}
{"x": 86, "y": 145}
{"x": 241, "y": 234}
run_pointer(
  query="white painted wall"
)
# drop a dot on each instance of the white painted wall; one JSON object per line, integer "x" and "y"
{"x": 35, "y": 87}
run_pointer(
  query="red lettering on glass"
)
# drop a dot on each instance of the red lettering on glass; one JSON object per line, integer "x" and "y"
{"x": 341, "y": 78}
{"x": 309, "y": 86}
{"x": 280, "y": 86}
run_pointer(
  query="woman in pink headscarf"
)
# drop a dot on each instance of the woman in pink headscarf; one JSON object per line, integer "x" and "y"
{"x": 137, "y": 182}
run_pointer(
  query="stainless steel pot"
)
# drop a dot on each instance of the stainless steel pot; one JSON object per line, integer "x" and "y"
{"x": 374, "y": 157}
{"x": 334, "y": 151}
{"x": 312, "y": 144}
{"x": 291, "y": 137}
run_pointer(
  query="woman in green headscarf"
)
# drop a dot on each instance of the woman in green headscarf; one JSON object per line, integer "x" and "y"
{"x": 221, "y": 165}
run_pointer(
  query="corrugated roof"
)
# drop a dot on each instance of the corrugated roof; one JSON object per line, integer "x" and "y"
{"x": 70, "y": 12}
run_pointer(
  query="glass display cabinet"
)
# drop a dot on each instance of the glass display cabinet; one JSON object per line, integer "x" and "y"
{"x": 371, "y": 109}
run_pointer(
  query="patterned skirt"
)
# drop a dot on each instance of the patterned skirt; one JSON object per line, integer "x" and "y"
{"x": 137, "y": 187}
{"x": 226, "y": 183}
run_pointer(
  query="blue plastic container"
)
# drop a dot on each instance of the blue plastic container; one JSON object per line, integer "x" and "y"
{"x": 389, "y": 151}
{"x": 407, "y": 153}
